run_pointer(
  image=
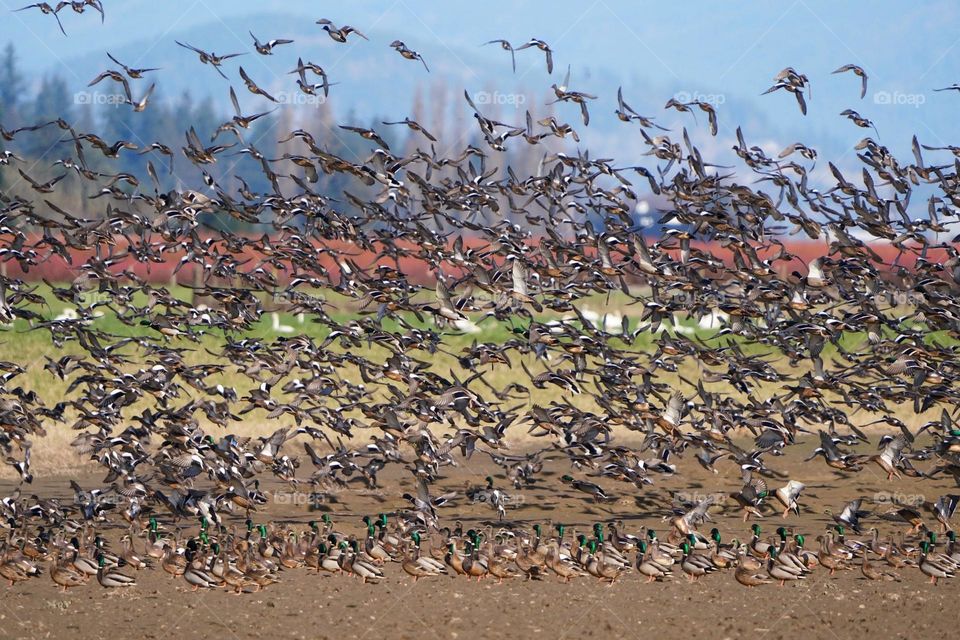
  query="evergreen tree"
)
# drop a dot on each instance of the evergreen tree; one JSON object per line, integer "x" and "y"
{"x": 11, "y": 87}
{"x": 53, "y": 101}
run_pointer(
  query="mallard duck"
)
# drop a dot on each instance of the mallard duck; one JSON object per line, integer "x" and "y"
{"x": 748, "y": 573}
{"x": 827, "y": 558}
{"x": 930, "y": 567}
{"x": 843, "y": 547}
{"x": 16, "y": 568}
{"x": 889, "y": 459}
{"x": 809, "y": 558}
{"x": 723, "y": 556}
{"x": 222, "y": 568}
{"x": 352, "y": 563}
{"x": 100, "y": 551}
{"x": 64, "y": 576}
{"x": 236, "y": 580}
{"x": 872, "y": 572}
{"x": 783, "y": 572}
{"x": 290, "y": 557}
{"x": 664, "y": 553}
{"x": 538, "y": 547}
{"x": 500, "y": 566}
{"x": 82, "y": 562}
{"x": 420, "y": 566}
{"x": 156, "y": 544}
{"x": 787, "y": 496}
{"x": 390, "y": 541}
{"x": 33, "y": 549}
{"x": 198, "y": 577}
{"x": 622, "y": 542}
{"x": 686, "y": 522}
{"x": 695, "y": 565}
{"x": 529, "y": 561}
{"x": 328, "y": 561}
{"x": 953, "y": 549}
{"x": 596, "y": 566}
{"x": 566, "y": 569}
{"x": 758, "y": 547}
{"x": 474, "y": 565}
{"x": 941, "y": 558}
{"x": 751, "y": 495}
{"x": 650, "y": 567}
{"x": 850, "y": 515}
{"x": 592, "y": 489}
{"x": 197, "y": 573}
{"x": 172, "y": 562}
{"x": 896, "y": 558}
{"x": 454, "y": 560}
{"x": 374, "y": 548}
{"x": 111, "y": 577}
{"x": 786, "y": 555}
{"x": 259, "y": 572}
{"x": 129, "y": 555}
{"x": 747, "y": 559}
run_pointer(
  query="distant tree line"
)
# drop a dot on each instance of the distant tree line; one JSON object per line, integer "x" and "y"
{"x": 101, "y": 110}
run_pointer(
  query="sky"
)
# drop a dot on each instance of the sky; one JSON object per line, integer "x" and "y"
{"x": 725, "y": 53}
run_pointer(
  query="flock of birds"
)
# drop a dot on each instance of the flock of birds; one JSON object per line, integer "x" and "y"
{"x": 801, "y": 349}
{"x": 248, "y": 560}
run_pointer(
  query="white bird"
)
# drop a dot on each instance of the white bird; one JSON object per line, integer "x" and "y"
{"x": 788, "y": 495}
{"x": 277, "y": 327}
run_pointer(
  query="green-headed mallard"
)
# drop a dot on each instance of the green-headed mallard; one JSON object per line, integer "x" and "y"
{"x": 474, "y": 564}
{"x": 352, "y": 563}
{"x": 420, "y": 566}
{"x": 197, "y": 573}
{"x": 695, "y": 565}
{"x": 723, "y": 556}
{"x": 453, "y": 559}
{"x": 598, "y": 566}
{"x": 111, "y": 577}
{"x": 931, "y": 567}
{"x": 783, "y": 572}
{"x": 374, "y": 547}
{"x": 328, "y": 559}
{"x": 759, "y": 548}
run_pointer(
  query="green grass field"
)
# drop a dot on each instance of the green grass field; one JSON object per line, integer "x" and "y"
{"x": 30, "y": 349}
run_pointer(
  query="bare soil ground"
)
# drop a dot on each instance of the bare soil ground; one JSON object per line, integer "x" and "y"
{"x": 307, "y": 605}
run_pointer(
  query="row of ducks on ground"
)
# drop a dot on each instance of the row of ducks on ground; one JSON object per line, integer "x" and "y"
{"x": 249, "y": 561}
